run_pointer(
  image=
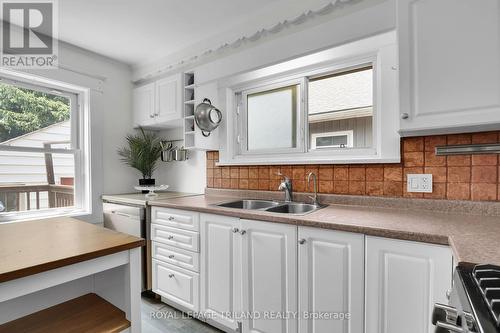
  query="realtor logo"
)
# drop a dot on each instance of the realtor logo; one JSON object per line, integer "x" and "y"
{"x": 29, "y": 34}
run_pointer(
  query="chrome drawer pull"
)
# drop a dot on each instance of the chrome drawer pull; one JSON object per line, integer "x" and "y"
{"x": 170, "y": 237}
{"x": 171, "y": 218}
{"x": 171, "y": 275}
{"x": 236, "y": 230}
{"x": 171, "y": 256}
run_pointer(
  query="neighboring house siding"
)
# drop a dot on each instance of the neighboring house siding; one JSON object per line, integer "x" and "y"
{"x": 29, "y": 168}
{"x": 362, "y": 128}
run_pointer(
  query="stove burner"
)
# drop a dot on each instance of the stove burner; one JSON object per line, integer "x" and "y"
{"x": 487, "y": 278}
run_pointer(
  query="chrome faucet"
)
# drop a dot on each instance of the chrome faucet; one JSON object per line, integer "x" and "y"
{"x": 286, "y": 185}
{"x": 315, "y": 196}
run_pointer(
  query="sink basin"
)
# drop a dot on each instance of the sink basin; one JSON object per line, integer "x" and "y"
{"x": 271, "y": 206}
{"x": 294, "y": 208}
{"x": 250, "y": 204}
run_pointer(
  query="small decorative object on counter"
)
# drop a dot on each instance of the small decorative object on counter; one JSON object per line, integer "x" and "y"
{"x": 143, "y": 151}
{"x": 207, "y": 117}
{"x": 150, "y": 190}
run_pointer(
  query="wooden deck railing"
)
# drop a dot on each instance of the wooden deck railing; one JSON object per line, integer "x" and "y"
{"x": 20, "y": 197}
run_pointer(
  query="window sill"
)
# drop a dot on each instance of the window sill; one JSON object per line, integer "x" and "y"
{"x": 306, "y": 159}
{"x": 28, "y": 216}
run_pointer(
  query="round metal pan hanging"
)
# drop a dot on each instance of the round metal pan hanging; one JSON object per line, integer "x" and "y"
{"x": 207, "y": 117}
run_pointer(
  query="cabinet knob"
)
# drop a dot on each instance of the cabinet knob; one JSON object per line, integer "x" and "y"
{"x": 156, "y": 114}
{"x": 405, "y": 116}
{"x": 170, "y": 237}
{"x": 171, "y": 218}
{"x": 171, "y": 256}
{"x": 242, "y": 232}
{"x": 171, "y": 275}
{"x": 236, "y": 230}
{"x": 302, "y": 241}
{"x": 151, "y": 116}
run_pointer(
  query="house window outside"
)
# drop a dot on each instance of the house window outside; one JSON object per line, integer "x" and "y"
{"x": 341, "y": 139}
{"x": 40, "y": 151}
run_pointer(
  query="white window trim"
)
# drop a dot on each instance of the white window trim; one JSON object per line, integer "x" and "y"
{"x": 349, "y": 134}
{"x": 242, "y": 117}
{"x": 80, "y": 121}
{"x": 380, "y": 51}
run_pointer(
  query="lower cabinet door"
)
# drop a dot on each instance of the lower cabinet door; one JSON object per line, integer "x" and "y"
{"x": 177, "y": 285}
{"x": 220, "y": 270}
{"x": 269, "y": 257}
{"x": 403, "y": 281}
{"x": 331, "y": 281}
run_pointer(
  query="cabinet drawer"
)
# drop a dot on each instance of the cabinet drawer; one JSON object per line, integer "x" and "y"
{"x": 175, "y": 256}
{"x": 176, "y": 218}
{"x": 184, "y": 239}
{"x": 176, "y": 284}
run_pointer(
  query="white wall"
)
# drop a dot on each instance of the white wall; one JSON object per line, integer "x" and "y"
{"x": 110, "y": 115}
{"x": 186, "y": 176}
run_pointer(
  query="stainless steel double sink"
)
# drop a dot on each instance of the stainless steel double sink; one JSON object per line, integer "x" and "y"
{"x": 271, "y": 206}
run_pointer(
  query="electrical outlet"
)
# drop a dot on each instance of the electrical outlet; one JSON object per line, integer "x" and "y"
{"x": 420, "y": 183}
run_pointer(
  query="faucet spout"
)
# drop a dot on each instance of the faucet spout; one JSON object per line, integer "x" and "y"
{"x": 315, "y": 179}
{"x": 286, "y": 186}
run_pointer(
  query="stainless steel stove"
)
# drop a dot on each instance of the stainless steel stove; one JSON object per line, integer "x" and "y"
{"x": 474, "y": 305}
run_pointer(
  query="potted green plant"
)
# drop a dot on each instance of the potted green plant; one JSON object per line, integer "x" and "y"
{"x": 142, "y": 153}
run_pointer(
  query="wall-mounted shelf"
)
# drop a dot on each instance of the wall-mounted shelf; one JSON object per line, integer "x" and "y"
{"x": 192, "y": 94}
{"x": 188, "y": 112}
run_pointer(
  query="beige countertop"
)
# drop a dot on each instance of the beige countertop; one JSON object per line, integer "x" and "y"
{"x": 140, "y": 199}
{"x": 473, "y": 238}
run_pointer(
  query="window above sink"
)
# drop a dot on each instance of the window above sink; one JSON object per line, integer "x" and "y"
{"x": 335, "y": 106}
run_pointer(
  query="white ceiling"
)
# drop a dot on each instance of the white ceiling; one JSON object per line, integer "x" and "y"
{"x": 142, "y": 31}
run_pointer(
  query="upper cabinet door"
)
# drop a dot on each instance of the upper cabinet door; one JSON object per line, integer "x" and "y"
{"x": 269, "y": 257}
{"x": 331, "y": 280}
{"x": 449, "y": 65}
{"x": 144, "y": 104}
{"x": 403, "y": 281}
{"x": 168, "y": 99}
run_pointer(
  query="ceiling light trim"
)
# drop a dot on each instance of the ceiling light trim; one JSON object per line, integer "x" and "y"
{"x": 252, "y": 38}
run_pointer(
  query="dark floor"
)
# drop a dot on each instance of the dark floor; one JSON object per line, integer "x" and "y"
{"x": 169, "y": 320}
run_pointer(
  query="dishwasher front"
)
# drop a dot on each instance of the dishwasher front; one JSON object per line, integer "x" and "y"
{"x": 130, "y": 220}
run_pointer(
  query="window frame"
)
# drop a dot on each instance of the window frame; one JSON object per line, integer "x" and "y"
{"x": 348, "y": 133}
{"x": 302, "y": 78}
{"x": 242, "y": 117}
{"x": 380, "y": 50}
{"x": 79, "y": 147}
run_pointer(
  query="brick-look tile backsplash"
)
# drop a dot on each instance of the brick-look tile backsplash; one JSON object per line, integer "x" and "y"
{"x": 461, "y": 177}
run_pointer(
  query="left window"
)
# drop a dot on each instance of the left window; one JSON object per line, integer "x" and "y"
{"x": 41, "y": 155}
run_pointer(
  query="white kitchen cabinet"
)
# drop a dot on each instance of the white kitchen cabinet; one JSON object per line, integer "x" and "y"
{"x": 159, "y": 104}
{"x": 403, "y": 281}
{"x": 144, "y": 104}
{"x": 220, "y": 269}
{"x": 331, "y": 280}
{"x": 176, "y": 285}
{"x": 169, "y": 99}
{"x": 175, "y": 218}
{"x": 449, "y": 65}
{"x": 269, "y": 257}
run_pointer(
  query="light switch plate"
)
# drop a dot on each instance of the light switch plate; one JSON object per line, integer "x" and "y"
{"x": 419, "y": 183}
